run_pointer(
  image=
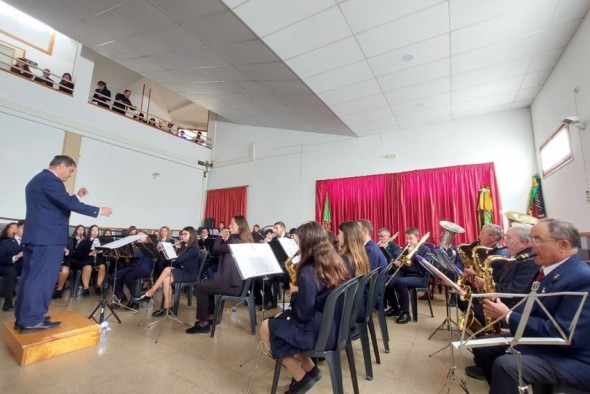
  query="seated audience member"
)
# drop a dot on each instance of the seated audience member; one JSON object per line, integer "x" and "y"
{"x": 11, "y": 253}
{"x": 45, "y": 79}
{"x": 393, "y": 250}
{"x": 185, "y": 270}
{"x": 287, "y": 335}
{"x": 227, "y": 280}
{"x": 139, "y": 267}
{"x": 66, "y": 85}
{"x": 122, "y": 102}
{"x": 87, "y": 258}
{"x": 140, "y": 117}
{"x": 22, "y": 68}
{"x": 152, "y": 122}
{"x": 102, "y": 95}
{"x": 409, "y": 276}
{"x": 555, "y": 243}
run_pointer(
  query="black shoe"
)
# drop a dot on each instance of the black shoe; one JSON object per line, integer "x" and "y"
{"x": 141, "y": 298}
{"x": 17, "y": 325}
{"x": 403, "y": 319}
{"x": 97, "y": 290}
{"x": 114, "y": 305}
{"x": 269, "y": 305}
{"x": 393, "y": 312}
{"x": 122, "y": 300}
{"x": 86, "y": 293}
{"x": 57, "y": 294}
{"x": 303, "y": 386}
{"x": 132, "y": 305}
{"x": 8, "y": 306}
{"x": 161, "y": 312}
{"x": 475, "y": 372}
{"x": 423, "y": 297}
{"x": 197, "y": 329}
{"x": 45, "y": 325}
{"x": 354, "y": 333}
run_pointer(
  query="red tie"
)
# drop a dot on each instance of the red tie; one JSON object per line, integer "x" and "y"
{"x": 540, "y": 275}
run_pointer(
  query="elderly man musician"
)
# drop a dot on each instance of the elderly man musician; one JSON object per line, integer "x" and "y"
{"x": 555, "y": 243}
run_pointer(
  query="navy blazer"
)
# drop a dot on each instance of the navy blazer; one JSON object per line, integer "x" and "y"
{"x": 227, "y": 271}
{"x": 48, "y": 210}
{"x": 188, "y": 261}
{"x": 574, "y": 360}
{"x": 517, "y": 277}
{"x": 8, "y": 248}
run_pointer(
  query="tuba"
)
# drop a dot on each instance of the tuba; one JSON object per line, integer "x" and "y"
{"x": 451, "y": 229}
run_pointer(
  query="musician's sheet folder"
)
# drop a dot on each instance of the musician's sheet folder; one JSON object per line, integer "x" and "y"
{"x": 254, "y": 260}
{"x": 168, "y": 250}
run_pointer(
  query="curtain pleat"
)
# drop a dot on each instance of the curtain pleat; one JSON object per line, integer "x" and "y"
{"x": 223, "y": 204}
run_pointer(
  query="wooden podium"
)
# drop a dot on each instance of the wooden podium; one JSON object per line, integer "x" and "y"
{"x": 76, "y": 332}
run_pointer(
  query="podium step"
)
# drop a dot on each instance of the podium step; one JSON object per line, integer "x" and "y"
{"x": 76, "y": 332}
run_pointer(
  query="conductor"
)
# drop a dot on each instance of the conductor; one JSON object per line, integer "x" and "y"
{"x": 45, "y": 236}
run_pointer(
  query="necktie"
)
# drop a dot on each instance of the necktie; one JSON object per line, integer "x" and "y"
{"x": 540, "y": 275}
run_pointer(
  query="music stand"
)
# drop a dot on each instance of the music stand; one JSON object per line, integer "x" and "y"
{"x": 111, "y": 248}
{"x": 565, "y": 335}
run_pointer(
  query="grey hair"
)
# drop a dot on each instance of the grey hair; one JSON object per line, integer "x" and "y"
{"x": 523, "y": 231}
{"x": 495, "y": 230}
{"x": 562, "y": 230}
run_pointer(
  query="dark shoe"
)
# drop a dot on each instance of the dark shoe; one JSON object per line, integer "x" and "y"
{"x": 44, "y": 325}
{"x": 114, "y": 305}
{"x": 403, "y": 319}
{"x": 475, "y": 372}
{"x": 17, "y": 325}
{"x": 393, "y": 312}
{"x": 315, "y": 374}
{"x": 160, "y": 312}
{"x": 197, "y": 329}
{"x": 122, "y": 300}
{"x": 57, "y": 294}
{"x": 132, "y": 305}
{"x": 7, "y": 307}
{"x": 354, "y": 333}
{"x": 423, "y": 297}
{"x": 86, "y": 293}
{"x": 303, "y": 386}
{"x": 141, "y": 298}
{"x": 97, "y": 290}
{"x": 268, "y": 306}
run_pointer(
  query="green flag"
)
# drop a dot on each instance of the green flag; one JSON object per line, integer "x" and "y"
{"x": 327, "y": 216}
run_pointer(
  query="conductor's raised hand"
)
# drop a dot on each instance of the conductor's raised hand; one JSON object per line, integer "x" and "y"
{"x": 106, "y": 211}
{"x": 82, "y": 192}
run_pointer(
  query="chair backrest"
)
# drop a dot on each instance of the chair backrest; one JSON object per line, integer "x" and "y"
{"x": 373, "y": 289}
{"x": 381, "y": 279}
{"x": 362, "y": 296}
{"x": 340, "y": 300}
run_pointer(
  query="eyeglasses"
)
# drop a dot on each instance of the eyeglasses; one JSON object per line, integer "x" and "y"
{"x": 538, "y": 240}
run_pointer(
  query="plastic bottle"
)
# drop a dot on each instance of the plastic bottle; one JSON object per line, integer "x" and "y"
{"x": 104, "y": 328}
{"x": 150, "y": 306}
{"x": 234, "y": 314}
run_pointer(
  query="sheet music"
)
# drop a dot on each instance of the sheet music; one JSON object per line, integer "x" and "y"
{"x": 254, "y": 260}
{"x": 168, "y": 250}
{"x": 290, "y": 247}
{"x": 426, "y": 264}
{"x": 123, "y": 241}
{"x": 505, "y": 341}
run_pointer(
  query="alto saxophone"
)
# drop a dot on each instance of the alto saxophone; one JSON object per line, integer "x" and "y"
{"x": 291, "y": 268}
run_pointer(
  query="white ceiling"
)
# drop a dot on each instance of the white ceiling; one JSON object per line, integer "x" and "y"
{"x": 330, "y": 66}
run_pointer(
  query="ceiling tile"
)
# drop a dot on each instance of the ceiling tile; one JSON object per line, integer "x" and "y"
{"x": 366, "y": 14}
{"x": 569, "y": 10}
{"x": 138, "y": 43}
{"x": 276, "y": 71}
{"x": 423, "y": 52}
{"x": 364, "y": 104}
{"x": 502, "y": 28}
{"x": 489, "y": 74}
{"x": 527, "y": 94}
{"x": 312, "y": 33}
{"x": 545, "y": 59}
{"x": 413, "y": 76}
{"x": 433, "y": 22}
{"x": 89, "y": 35}
{"x": 192, "y": 75}
{"x": 142, "y": 15}
{"x": 175, "y": 37}
{"x": 329, "y": 57}
{"x": 341, "y": 77}
{"x": 368, "y": 116}
{"x": 414, "y": 92}
{"x": 536, "y": 78}
{"x": 558, "y": 36}
{"x": 422, "y": 104}
{"x": 352, "y": 92}
{"x": 285, "y": 87}
{"x": 267, "y": 16}
{"x": 469, "y": 12}
{"x": 164, "y": 77}
{"x": 141, "y": 65}
{"x": 170, "y": 61}
{"x": 487, "y": 89}
{"x": 186, "y": 9}
{"x": 246, "y": 52}
{"x": 117, "y": 50}
{"x": 225, "y": 73}
{"x": 113, "y": 25}
{"x": 221, "y": 28}
{"x": 484, "y": 103}
{"x": 203, "y": 57}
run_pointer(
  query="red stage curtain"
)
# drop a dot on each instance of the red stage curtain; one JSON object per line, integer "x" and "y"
{"x": 419, "y": 199}
{"x": 223, "y": 204}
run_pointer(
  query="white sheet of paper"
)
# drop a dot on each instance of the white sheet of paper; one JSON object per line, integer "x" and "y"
{"x": 123, "y": 241}
{"x": 254, "y": 260}
{"x": 168, "y": 250}
{"x": 290, "y": 247}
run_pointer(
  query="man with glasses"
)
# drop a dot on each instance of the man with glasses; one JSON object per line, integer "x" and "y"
{"x": 555, "y": 243}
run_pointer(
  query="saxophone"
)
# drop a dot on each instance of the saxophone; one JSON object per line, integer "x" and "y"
{"x": 291, "y": 268}
{"x": 466, "y": 252}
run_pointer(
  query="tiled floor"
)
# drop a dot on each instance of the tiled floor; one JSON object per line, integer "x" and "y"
{"x": 131, "y": 362}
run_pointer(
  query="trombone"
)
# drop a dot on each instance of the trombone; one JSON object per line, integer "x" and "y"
{"x": 407, "y": 259}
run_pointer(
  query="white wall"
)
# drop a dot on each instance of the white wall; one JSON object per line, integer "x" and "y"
{"x": 565, "y": 190}
{"x": 285, "y": 165}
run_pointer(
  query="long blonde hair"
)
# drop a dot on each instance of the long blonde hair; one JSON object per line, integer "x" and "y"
{"x": 354, "y": 247}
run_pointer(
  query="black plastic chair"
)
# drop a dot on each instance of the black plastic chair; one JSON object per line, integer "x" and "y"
{"x": 343, "y": 295}
{"x": 365, "y": 323}
{"x": 246, "y": 295}
{"x": 379, "y": 307}
{"x": 414, "y": 299}
{"x": 178, "y": 286}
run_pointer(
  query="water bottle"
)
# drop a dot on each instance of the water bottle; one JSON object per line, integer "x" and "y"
{"x": 234, "y": 314}
{"x": 104, "y": 328}
{"x": 150, "y": 306}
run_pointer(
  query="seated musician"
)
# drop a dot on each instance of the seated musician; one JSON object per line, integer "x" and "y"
{"x": 185, "y": 269}
{"x": 385, "y": 241}
{"x": 227, "y": 280}
{"x": 87, "y": 258}
{"x": 139, "y": 267}
{"x": 351, "y": 246}
{"x": 409, "y": 276}
{"x": 256, "y": 234}
{"x": 280, "y": 231}
{"x": 555, "y": 243}
{"x": 320, "y": 270}
{"x": 268, "y": 236}
{"x": 516, "y": 278}
{"x": 376, "y": 257}
{"x": 10, "y": 260}
{"x": 164, "y": 235}
{"x": 490, "y": 236}
{"x": 66, "y": 264}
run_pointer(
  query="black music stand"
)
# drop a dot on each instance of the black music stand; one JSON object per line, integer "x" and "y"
{"x": 112, "y": 248}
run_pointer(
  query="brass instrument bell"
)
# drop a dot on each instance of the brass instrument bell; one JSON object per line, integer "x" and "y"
{"x": 451, "y": 229}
